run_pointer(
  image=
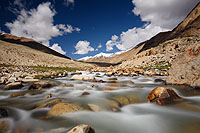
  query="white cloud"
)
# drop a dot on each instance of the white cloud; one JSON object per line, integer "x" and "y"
{"x": 111, "y": 43}
{"x": 38, "y": 24}
{"x": 98, "y": 47}
{"x": 83, "y": 47}
{"x": 164, "y": 13}
{"x": 57, "y": 48}
{"x": 159, "y": 15}
{"x": 69, "y": 2}
{"x": 68, "y": 29}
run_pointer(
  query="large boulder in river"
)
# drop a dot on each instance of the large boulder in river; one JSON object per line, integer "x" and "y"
{"x": 63, "y": 108}
{"x": 83, "y": 128}
{"x": 186, "y": 68}
{"x": 82, "y": 77}
{"x": 163, "y": 96}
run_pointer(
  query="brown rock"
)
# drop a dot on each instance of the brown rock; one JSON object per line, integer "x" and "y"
{"x": 185, "y": 68}
{"x": 50, "y": 103}
{"x": 17, "y": 94}
{"x": 83, "y": 128}
{"x": 62, "y": 108}
{"x": 13, "y": 86}
{"x": 163, "y": 96}
{"x": 42, "y": 85}
{"x": 109, "y": 89}
{"x": 85, "y": 94}
{"x": 48, "y": 96}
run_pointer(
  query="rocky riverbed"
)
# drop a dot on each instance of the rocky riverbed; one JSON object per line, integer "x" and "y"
{"x": 104, "y": 102}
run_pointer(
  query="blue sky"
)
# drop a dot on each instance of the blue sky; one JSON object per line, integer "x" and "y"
{"x": 80, "y": 28}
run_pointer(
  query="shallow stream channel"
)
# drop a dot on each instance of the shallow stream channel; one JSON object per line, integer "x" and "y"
{"x": 116, "y": 104}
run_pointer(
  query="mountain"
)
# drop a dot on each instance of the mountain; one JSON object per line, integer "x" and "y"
{"x": 167, "y": 42}
{"x": 27, "y": 52}
{"x": 100, "y": 56}
{"x": 29, "y": 43}
{"x": 162, "y": 49}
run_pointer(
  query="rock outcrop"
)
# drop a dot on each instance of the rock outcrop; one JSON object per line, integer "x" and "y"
{"x": 186, "y": 68}
{"x": 163, "y": 96}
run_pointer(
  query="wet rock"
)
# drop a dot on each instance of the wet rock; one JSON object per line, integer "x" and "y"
{"x": 185, "y": 68}
{"x": 83, "y": 128}
{"x": 63, "y": 85}
{"x": 13, "y": 86}
{"x": 50, "y": 103}
{"x": 3, "y": 112}
{"x": 85, "y": 93}
{"x": 17, "y": 94}
{"x": 126, "y": 99}
{"x": 163, "y": 96}
{"x": 159, "y": 80}
{"x": 63, "y": 108}
{"x": 42, "y": 85}
{"x": 4, "y": 126}
{"x": 145, "y": 80}
{"x": 82, "y": 77}
{"x": 48, "y": 95}
{"x": 94, "y": 86}
{"x": 112, "y": 79}
{"x": 76, "y": 73}
{"x": 95, "y": 108}
{"x": 108, "y": 89}
{"x": 137, "y": 86}
{"x": 109, "y": 73}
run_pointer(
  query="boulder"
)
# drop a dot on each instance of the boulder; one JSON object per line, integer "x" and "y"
{"x": 63, "y": 108}
{"x": 13, "y": 86}
{"x": 163, "y": 96}
{"x": 42, "y": 85}
{"x": 83, "y": 128}
{"x": 95, "y": 108}
{"x": 82, "y": 77}
{"x": 50, "y": 103}
{"x": 186, "y": 68}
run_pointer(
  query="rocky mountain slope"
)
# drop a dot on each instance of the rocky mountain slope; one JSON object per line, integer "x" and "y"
{"x": 163, "y": 48}
{"x": 29, "y": 43}
{"x": 27, "y": 52}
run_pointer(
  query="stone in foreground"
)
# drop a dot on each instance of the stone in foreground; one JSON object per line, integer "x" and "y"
{"x": 83, "y": 128}
{"x": 186, "y": 68}
{"x": 163, "y": 96}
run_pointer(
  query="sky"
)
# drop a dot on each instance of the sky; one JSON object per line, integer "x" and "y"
{"x": 79, "y": 28}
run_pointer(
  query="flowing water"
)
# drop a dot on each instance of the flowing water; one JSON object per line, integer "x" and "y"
{"x": 137, "y": 117}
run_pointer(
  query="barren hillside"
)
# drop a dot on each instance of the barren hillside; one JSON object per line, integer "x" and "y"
{"x": 16, "y": 54}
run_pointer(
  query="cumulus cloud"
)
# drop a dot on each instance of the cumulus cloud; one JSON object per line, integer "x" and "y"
{"x": 159, "y": 16}
{"x": 83, "y": 47}
{"x": 38, "y": 24}
{"x": 69, "y": 2}
{"x": 164, "y": 13}
{"x": 98, "y": 47}
{"x": 57, "y": 48}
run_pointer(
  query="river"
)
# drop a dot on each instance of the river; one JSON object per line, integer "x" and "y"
{"x": 134, "y": 115}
